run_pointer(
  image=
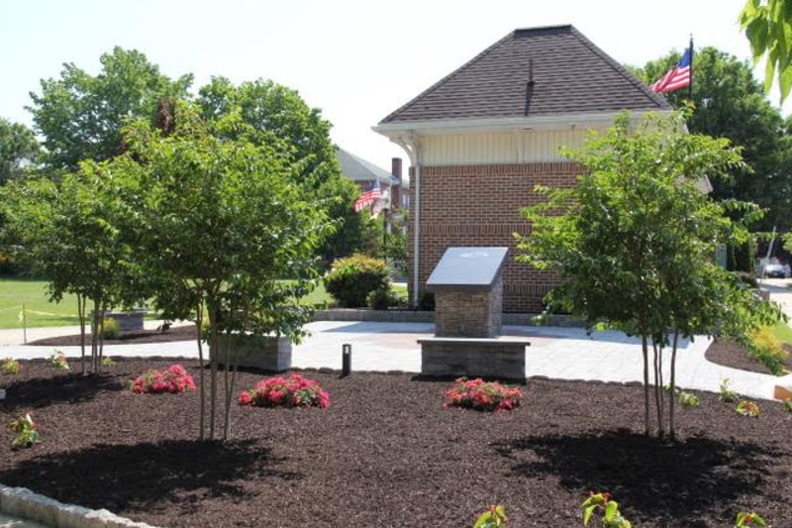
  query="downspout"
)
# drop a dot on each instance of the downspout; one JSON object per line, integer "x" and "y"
{"x": 411, "y": 145}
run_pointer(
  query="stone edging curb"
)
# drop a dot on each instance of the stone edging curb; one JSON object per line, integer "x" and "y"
{"x": 23, "y": 503}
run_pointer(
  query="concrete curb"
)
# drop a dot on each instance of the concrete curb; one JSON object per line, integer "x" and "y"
{"x": 23, "y": 503}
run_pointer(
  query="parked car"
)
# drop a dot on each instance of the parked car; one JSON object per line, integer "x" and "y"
{"x": 775, "y": 271}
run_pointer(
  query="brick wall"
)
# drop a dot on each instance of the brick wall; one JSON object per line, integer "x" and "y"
{"x": 480, "y": 206}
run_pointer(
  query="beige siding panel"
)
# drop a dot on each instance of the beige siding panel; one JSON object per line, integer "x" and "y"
{"x": 497, "y": 148}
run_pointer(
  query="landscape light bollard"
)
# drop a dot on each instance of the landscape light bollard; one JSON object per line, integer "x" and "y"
{"x": 346, "y": 359}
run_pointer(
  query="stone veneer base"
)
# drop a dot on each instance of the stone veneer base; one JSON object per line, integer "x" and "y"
{"x": 499, "y": 359}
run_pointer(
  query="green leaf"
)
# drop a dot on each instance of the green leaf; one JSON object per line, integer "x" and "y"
{"x": 611, "y": 510}
{"x": 588, "y": 512}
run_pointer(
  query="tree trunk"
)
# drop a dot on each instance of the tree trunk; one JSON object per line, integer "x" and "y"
{"x": 671, "y": 429}
{"x": 213, "y": 374}
{"x": 94, "y": 337}
{"x": 658, "y": 387}
{"x": 81, "y": 315}
{"x": 230, "y": 380}
{"x": 101, "y": 336}
{"x": 645, "y": 352}
{"x": 202, "y": 407}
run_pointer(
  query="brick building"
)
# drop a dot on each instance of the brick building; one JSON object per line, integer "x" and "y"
{"x": 482, "y": 137}
{"x": 364, "y": 173}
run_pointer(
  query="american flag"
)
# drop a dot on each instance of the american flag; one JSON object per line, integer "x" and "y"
{"x": 677, "y": 77}
{"x": 368, "y": 197}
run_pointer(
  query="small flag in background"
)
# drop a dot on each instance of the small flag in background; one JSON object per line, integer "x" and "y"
{"x": 678, "y": 76}
{"x": 368, "y": 197}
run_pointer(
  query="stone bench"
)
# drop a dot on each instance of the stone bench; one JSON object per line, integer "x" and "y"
{"x": 491, "y": 358}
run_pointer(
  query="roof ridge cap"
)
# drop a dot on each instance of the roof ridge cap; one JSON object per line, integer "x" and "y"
{"x": 632, "y": 79}
{"x": 451, "y": 75}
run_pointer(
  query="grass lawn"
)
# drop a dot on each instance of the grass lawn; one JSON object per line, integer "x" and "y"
{"x": 39, "y": 311}
{"x": 783, "y": 332}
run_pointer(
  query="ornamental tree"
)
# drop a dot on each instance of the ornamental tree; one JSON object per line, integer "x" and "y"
{"x": 75, "y": 234}
{"x": 634, "y": 241}
{"x": 222, "y": 222}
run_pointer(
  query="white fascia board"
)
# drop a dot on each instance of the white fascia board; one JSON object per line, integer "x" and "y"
{"x": 477, "y": 125}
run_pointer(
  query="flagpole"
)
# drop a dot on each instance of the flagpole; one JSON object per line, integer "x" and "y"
{"x": 690, "y": 86}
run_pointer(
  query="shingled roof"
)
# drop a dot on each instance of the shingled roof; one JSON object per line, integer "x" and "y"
{"x": 358, "y": 169}
{"x": 571, "y": 76}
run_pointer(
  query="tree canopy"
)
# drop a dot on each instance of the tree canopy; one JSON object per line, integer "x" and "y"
{"x": 18, "y": 147}
{"x": 278, "y": 116}
{"x": 730, "y": 103}
{"x": 80, "y": 115}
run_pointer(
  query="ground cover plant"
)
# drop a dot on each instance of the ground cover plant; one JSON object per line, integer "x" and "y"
{"x": 291, "y": 390}
{"x": 173, "y": 380}
{"x": 482, "y": 395}
{"x": 387, "y": 453}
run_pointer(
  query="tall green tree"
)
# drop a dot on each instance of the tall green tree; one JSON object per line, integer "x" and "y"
{"x": 730, "y": 103}
{"x": 222, "y": 222}
{"x": 277, "y": 115}
{"x": 18, "y": 148}
{"x": 80, "y": 115}
{"x": 634, "y": 241}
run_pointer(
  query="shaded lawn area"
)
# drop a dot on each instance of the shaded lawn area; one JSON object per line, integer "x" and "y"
{"x": 386, "y": 453}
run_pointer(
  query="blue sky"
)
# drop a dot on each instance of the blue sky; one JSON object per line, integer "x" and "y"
{"x": 356, "y": 60}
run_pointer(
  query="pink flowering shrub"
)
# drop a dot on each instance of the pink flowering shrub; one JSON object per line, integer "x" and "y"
{"x": 483, "y": 396}
{"x": 174, "y": 380}
{"x": 292, "y": 390}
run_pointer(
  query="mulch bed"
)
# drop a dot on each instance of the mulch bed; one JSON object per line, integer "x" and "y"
{"x": 175, "y": 333}
{"x": 386, "y": 453}
{"x": 728, "y": 353}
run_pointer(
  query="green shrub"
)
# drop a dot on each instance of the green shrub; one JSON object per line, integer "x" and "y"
{"x": 426, "y": 302}
{"x": 9, "y": 366}
{"x": 111, "y": 329}
{"x": 749, "y": 279}
{"x": 768, "y": 350}
{"x": 352, "y": 279}
{"x": 382, "y": 299}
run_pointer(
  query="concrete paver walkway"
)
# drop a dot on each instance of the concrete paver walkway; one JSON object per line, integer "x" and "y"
{"x": 554, "y": 352}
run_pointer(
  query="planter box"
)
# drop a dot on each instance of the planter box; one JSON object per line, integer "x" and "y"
{"x": 127, "y": 321}
{"x": 268, "y": 353}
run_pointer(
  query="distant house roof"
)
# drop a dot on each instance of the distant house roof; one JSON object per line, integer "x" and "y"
{"x": 571, "y": 76}
{"x": 358, "y": 169}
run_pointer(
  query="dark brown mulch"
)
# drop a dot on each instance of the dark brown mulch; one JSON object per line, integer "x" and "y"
{"x": 728, "y": 353}
{"x": 175, "y": 333}
{"x": 386, "y": 453}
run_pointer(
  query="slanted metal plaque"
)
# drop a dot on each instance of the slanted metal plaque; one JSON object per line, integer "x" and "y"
{"x": 467, "y": 268}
